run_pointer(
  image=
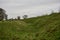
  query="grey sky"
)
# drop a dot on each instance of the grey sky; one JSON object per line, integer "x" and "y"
{"x": 30, "y": 7}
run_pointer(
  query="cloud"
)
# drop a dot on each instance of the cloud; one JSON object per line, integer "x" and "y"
{"x": 29, "y": 7}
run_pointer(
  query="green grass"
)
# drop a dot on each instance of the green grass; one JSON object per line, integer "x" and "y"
{"x": 45, "y": 27}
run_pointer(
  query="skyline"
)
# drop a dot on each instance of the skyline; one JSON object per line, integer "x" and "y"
{"x": 31, "y": 8}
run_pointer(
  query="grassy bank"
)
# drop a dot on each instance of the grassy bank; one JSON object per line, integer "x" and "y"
{"x": 45, "y": 27}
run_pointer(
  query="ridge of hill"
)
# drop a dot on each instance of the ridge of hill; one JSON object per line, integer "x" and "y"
{"x": 45, "y": 27}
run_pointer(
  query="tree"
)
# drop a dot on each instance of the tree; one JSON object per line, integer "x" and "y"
{"x": 18, "y": 17}
{"x": 5, "y": 16}
{"x": 25, "y": 16}
{"x": 59, "y": 10}
{"x": 2, "y": 10}
{"x": 2, "y": 14}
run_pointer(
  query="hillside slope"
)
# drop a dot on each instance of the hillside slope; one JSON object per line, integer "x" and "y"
{"x": 39, "y": 28}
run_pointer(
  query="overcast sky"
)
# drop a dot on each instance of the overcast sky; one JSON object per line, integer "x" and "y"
{"x": 31, "y": 8}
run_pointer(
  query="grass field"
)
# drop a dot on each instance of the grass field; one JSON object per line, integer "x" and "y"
{"x": 45, "y": 27}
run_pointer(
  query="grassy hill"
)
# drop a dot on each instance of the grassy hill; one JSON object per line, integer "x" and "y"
{"x": 45, "y": 27}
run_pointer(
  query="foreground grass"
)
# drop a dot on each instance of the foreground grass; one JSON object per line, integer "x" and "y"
{"x": 38, "y": 28}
